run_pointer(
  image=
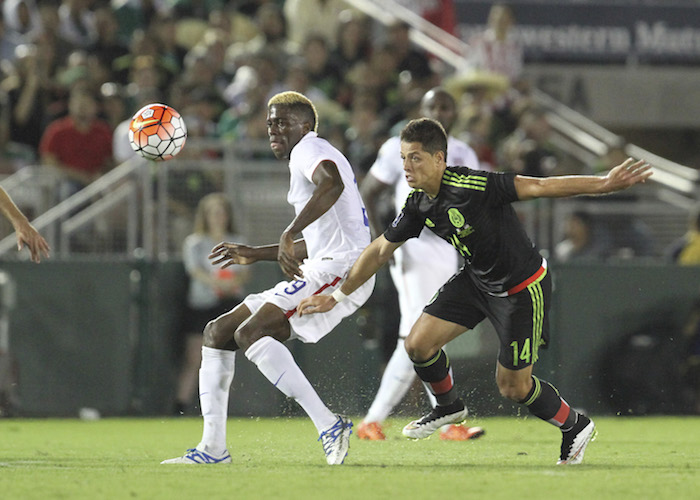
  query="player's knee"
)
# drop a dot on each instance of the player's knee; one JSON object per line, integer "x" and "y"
{"x": 408, "y": 345}
{"x": 245, "y": 336}
{"x": 414, "y": 349}
{"x": 214, "y": 335}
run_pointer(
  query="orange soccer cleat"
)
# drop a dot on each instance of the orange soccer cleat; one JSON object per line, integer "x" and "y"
{"x": 371, "y": 431}
{"x": 461, "y": 433}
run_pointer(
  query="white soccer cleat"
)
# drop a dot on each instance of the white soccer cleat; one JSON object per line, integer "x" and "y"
{"x": 575, "y": 440}
{"x": 426, "y": 426}
{"x": 200, "y": 457}
{"x": 336, "y": 440}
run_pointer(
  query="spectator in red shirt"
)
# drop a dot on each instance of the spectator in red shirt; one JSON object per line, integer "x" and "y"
{"x": 79, "y": 145}
{"x": 442, "y": 14}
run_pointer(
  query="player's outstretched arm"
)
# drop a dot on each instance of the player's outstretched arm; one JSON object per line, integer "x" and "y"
{"x": 367, "y": 264}
{"x": 27, "y": 235}
{"x": 229, "y": 254}
{"x": 623, "y": 176}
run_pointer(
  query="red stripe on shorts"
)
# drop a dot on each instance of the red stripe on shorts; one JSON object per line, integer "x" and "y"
{"x": 289, "y": 314}
{"x": 524, "y": 284}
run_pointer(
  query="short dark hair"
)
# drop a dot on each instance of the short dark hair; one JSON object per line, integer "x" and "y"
{"x": 428, "y": 132}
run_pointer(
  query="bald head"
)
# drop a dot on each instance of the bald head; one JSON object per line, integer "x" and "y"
{"x": 439, "y": 105}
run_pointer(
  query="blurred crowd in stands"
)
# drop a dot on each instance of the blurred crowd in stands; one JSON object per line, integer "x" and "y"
{"x": 90, "y": 64}
{"x": 73, "y": 72}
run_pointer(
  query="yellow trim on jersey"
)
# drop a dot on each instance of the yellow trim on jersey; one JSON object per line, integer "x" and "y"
{"x": 410, "y": 194}
{"x": 477, "y": 182}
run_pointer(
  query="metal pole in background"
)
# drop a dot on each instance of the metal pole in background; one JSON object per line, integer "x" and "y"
{"x": 8, "y": 372}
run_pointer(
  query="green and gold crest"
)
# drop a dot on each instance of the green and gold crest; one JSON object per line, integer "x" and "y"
{"x": 456, "y": 218}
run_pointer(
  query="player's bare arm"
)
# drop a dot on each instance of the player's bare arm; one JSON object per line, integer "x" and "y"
{"x": 623, "y": 176}
{"x": 367, "y": 264}
{"x": 329, "y": 187}
{"x": 229, "y": 254}
{"x": 27, "y": 235}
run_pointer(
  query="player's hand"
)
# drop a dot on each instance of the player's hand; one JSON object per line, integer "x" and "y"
{"x": 229, "y": 254}
{"x": 287, "y": 258}
{"x": 30, "y": 237}
{"x": 626, "y": 174}
{"x": 316, "y": 304}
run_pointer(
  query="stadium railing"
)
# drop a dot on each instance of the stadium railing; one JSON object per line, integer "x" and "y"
{"x": 579, "y": 135}
{"x": 144, "y": 211}
{"x": 664, "y": 206}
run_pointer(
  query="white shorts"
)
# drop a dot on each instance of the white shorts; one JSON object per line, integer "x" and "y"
{"x": 415, "y": 281}
{"x": 312, "y": 327}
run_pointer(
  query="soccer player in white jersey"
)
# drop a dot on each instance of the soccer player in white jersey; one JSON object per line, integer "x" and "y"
{"x": 415, "y": 282}
{"x": 332, "y": 220}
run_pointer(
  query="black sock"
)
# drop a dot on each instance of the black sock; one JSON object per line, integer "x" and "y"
{"x": 544, "y": 402}
{"x": 453, "y": 407}
{"x": 436, "y": 374}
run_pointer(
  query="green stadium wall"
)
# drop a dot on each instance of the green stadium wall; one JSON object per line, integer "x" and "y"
{"x": 103, "y": 335}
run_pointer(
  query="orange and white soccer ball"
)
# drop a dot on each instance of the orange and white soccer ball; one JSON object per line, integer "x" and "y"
{"x": 157, "y": 132}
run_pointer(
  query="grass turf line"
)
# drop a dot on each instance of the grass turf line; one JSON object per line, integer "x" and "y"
{"x": 643, "y": 457}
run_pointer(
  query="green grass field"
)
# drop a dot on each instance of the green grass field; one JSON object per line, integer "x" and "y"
{"x": 640, "y": 458}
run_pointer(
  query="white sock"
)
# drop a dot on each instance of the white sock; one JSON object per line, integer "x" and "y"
{"x": 275, "y": 361}
{"x": 431, "y": 397}
{"x": 215, "y": 377}
{"x": 396, "y": 380}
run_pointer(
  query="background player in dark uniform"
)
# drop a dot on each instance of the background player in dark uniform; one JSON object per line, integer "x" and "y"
{"x": 504, "y": 278}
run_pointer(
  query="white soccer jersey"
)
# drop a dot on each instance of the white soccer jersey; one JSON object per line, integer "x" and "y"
{"x": 336, "y": 239}
{"x": 415, "y": 282}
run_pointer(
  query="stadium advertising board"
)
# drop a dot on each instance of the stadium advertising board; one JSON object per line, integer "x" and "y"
{"x": 597, "y": 32}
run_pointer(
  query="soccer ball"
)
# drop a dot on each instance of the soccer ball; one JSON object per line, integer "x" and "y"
{"x": 157, "y": 132}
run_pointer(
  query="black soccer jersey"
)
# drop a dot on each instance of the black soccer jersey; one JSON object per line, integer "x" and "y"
{"x": 473, "y": 212}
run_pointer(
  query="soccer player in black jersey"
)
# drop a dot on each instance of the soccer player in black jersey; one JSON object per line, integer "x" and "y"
{"x": 504, "y": 278}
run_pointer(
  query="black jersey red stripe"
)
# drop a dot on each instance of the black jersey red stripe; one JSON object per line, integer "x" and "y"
{"x": 473, "y": 213}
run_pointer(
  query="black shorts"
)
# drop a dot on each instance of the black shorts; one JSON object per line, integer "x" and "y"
{"x": 520, "y": 320}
